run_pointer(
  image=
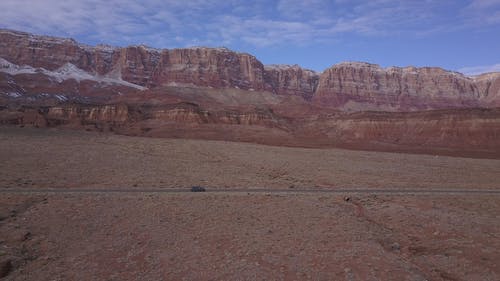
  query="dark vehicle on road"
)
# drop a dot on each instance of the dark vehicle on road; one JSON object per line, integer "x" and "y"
{"x": 198, "y": 189}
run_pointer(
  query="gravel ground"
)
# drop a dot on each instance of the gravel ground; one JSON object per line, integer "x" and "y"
{"x": 52, "y": 158}
{"x": 238, "y": 235}
{"x": 235, "y": 236}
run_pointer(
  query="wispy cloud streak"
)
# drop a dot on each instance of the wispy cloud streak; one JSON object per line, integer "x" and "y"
{"x": 177, "y": 23}
{"x": 476, "y": 70}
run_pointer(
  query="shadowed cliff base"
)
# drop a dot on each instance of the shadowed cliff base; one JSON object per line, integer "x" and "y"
{"x": 466, "y": 132}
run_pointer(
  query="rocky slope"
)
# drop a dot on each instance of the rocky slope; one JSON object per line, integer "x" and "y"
{"x": 347, "y": 86}
{"x": 466, "y": 132}
{"x": 215, "y": 93}
{"x": 214, "y": 67}
{"x": 362, "y": 86}
{"x": 292, "y": 80}
{"x": 488, "y": 86}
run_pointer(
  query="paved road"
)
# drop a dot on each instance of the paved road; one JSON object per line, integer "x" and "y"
{"x": 253, "y": 190}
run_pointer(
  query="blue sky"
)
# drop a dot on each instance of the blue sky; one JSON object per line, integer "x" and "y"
{"x": 456, "y": 35}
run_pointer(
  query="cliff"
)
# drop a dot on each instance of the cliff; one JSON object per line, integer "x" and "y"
{"x": 215, "y": 93}
{"x": 358, "y": 86}
{"x": 140, "y": 65}
{"x": 292, "y": 80}
{"x": 350, "y": 86}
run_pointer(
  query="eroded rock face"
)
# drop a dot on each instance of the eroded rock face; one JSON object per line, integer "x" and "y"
{"x": 215, "y": 93}
{"x": 454, "y": 129}
{"x": 357, "y": 85}
{"x": 140, "y": 65}
{"x": 489, "y": 88}
{"x": 51, "y": 52}
{"x": 210, "y": 67}
{"x": 465, "y": 132}
{"x": 292, "y": 80}
{"x": 116, "y": 116}
{"x": 346, "y": 86}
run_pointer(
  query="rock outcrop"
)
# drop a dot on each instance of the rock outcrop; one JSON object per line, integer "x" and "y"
{"x": 346, "y": 86}
{"x": 451, "y": 129}
{"x": 215, "y": 93}
{"x": 292, "y": 80}
{"x": 115, "y": 117}
{"x": 488, "y": 86}
{"x": 357, "y": 86}
{"x": 463, "y": 132}
{"x": 210, "y": 67}
{"x": 140, "y": 65}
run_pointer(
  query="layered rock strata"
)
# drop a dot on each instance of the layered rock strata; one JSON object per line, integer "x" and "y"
{"x": 215, "y": 93}
{"x": 348, "y": 86}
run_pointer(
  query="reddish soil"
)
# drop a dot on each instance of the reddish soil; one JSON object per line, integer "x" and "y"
{"x": 51, "y": 158}
{"x": 229, "y": 236}
{"x": 243, "y": 236}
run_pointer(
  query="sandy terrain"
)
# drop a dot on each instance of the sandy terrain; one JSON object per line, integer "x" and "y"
{"x": 53, "y": 158}
{"x": 250, "y": 237}
{"x": 238, "y": 235}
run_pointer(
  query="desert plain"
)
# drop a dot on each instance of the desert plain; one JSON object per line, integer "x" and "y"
{"x": 80, "y": 205}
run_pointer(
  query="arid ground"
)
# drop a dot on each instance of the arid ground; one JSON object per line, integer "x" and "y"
{"x": 52, "y": 158}
{"x": 112, "y": 234}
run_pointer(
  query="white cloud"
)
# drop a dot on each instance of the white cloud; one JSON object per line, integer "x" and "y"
{"x": 482, "y": 4}
{"x": 480, "y": 13}
{"x": 261, "y": 23}
{"x": 300, "y": 9}
{"x": 111, "y": 19}
{"x": 265, "y": 32}
{"x": 476, "y": 70}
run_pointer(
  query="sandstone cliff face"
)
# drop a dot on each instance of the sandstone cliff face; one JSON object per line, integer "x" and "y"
{"x": 352, "y": 85}
{"x": 105, "y": 113}
{"x": 39, "y": 65}
{"x": 452, "y": 129}
{"x": 488, "y": 86}
{"x": 217, "y": 68}
{"x": 292, "y": 80}
{"x": 135, "y": 64}
{"x": 116, "y": 115}
{"x": 51, "y": 52}
{"x": 210, "y": 67}
{"x": 463, "y": 132}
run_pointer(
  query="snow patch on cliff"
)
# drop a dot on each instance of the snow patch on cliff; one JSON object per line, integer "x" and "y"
{"x": 408, "y": 70}
{"x": 61, "y": 97}
{"x": 66, "y": 72}
{"x": 486, "y": 76}
{"x": 69, "y": 71}
{"x": 356, "y": 64}
{"x": 13, "y": 94}
{"x": 285, "y": 67}
{"x": 280, "y": 66}
{"x": 220, "y": 49}
{"x": 115, "y": 76}
{"x": 14, "y": 69}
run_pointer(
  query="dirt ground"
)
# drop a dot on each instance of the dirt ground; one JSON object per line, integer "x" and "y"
{"x": 238, "y": 235}
{"x": 53, "y": 158}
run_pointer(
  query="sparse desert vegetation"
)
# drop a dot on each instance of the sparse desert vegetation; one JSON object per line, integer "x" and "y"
{"x": 69, "y": 159}
{"x": 330, "y": 140}
{"x": 252, "y": 235}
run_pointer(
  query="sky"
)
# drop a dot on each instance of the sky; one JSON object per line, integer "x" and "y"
{"x": 315, "y": 34}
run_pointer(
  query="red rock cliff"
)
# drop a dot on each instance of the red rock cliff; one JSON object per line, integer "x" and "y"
{"x": 211, "y": 67}
{"x": 347, "y": 86}
{"x": 362, "y": 85}
{"x": 292, "y": 80}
